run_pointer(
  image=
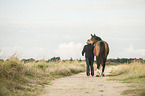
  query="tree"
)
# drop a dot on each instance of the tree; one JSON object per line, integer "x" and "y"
{"x": 79, "y": 60}
{"x": 54, "y": 59}
{"x": 28, "y": 60}
{"x": 71, "y": 59}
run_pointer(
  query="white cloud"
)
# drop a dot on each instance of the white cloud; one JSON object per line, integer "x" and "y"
{"x": 27, "y": 52}
{"x": 68, "y": 50}
{"x": 138, "y": 53}
{"x": 7, "y": 52}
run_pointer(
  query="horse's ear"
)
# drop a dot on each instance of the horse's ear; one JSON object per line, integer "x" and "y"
{"x": 91, "y": 35}
{"x": 94, "y": 34}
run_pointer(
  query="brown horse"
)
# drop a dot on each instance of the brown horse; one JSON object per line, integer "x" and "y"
{"x": 101, "y": 51}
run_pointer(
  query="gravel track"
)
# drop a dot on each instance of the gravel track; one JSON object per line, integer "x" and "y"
{"x": 82, "y": 85}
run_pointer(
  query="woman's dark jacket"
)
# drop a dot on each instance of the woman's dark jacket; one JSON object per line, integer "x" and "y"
{"x": 88, "y": 50}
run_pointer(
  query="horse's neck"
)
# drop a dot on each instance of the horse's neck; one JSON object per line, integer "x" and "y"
{"x": 96, "y": 41}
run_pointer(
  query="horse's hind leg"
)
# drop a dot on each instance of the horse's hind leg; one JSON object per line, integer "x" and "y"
{"x": 103, "y": 70}
{"x": 103, "y": 65}
{"x": 98, "y": 67}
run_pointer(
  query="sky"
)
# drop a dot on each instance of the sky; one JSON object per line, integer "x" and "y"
{"x": 42, "y": 29}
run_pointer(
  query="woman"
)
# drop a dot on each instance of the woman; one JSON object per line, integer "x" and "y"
{"x": 89, "y": 55}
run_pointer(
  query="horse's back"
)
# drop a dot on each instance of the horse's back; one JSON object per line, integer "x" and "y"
{"x": 97, "y": 48}
{"x": 106, "y": 48}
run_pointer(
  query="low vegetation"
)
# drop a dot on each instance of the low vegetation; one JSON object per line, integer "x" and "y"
{"x": 28, "y": 79}
{"x": 28, "y": 76}
{"x": 134, "y": 75}
{"x": 125, "y": 60}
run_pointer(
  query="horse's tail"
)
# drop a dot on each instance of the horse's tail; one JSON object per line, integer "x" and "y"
{"x": 101, "y": 56}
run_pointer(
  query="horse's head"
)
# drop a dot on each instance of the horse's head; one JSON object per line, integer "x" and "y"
{"x": 95, "y": 38}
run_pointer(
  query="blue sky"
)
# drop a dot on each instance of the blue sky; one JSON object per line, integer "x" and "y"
{"x": 46, "y": 28}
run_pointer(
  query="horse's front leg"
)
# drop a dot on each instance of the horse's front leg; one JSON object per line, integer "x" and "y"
{"x": 98, "y": 73}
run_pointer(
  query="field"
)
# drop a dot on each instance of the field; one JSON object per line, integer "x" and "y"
{"x": 134, "y": 75}
{"x": 28, "y": 79}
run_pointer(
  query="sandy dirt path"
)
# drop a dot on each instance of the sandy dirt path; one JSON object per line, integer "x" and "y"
{"x": 81, "y": 85}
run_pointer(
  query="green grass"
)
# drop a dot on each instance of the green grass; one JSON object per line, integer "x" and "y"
{"x": 134, "y": 75}
{"x": 29, "y": 79}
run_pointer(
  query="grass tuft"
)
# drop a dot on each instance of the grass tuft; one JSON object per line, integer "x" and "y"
{"x": 133, "y": 74}
{"x": 28, "y": 79}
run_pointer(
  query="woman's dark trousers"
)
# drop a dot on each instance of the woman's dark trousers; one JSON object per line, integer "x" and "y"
{"x": 89, "y": 62}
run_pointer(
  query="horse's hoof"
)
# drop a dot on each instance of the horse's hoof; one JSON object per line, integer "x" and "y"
{"x": 103, "y": 75}
{"x": 97, "y": 75}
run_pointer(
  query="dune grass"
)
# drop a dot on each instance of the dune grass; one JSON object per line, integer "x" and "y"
{"x": 134, "y": 75}
{"x": 28, "y": 79}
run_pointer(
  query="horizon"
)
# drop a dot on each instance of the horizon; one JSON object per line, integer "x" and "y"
{"x": 46, "y": 59}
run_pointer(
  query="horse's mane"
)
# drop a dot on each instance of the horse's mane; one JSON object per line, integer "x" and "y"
{"x": 97, "y": 38}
